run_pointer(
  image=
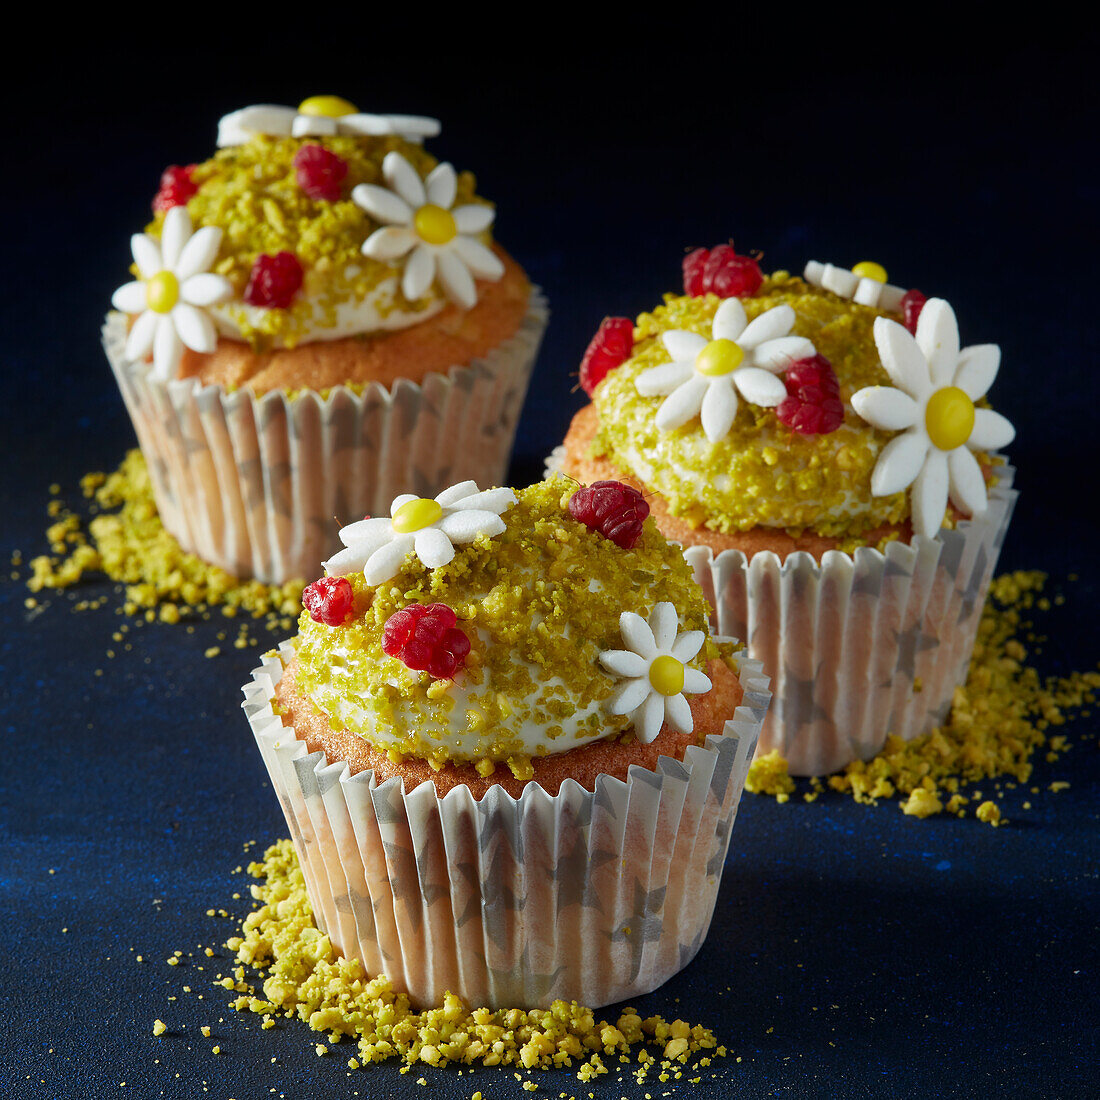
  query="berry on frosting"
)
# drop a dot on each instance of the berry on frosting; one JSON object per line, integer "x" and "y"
{"x": 812, "y": 405}
{"x": 176, "y": 187}
{"x": 615, "y": 510}
{"x": 912, "y": 303}
{"x": 426, "y": 639}
{"x": 274, "y": 281}
{"x": 329, "y": 600}
{"x": 320, "y": 173}
{"x": 720, "y": 270}
{"x": 609, "y": 348}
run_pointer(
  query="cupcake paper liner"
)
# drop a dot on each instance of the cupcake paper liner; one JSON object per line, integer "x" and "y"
{"x": 595, "y": 896}
{"x": 858, "y": 646}
{"x": 261, "y": 485}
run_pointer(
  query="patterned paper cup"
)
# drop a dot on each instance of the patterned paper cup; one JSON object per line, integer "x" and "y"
{"x": 859, "y": 646}
{"x": 261, "y": 485}
{"x": 595, "y": 896}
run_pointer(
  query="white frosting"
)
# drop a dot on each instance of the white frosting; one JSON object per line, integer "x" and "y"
{"x": 921, "y": 366}
{"x": 847, "y": 284}
{"x": 768, "y": 349}
{"x": 275, "y": 121}
{"x": 185, "y": 257}
{"x": 374, "y": 548}
{"x": 455, "y": 262}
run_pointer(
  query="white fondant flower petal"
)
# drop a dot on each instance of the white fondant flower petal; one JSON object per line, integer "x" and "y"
{"x": 621, "y": 662}
{"x": 167, "y": 348}
{"x": 419, "y": 273}
{"x": 456, "y": 279}
{"x": 174, "y": 234}
{"x": 885, "y": 408}
{"x": 367, "y": 534}
{"x": 400, "y": 501}
{"x": 769, "y": 325}
{"x": 937, "y": 336}
{"x": 777, "y": 355}
{"x": 206, "y": 289}
{"x": 391, "y": 242}
{"x": 900, "y": 462}
{"x": 348, "y": 560}
{"x": 967, "y": 485}
{"x": 492, "y": 500}
{"x": 629, "y": 697}
{"x": 441, "y": 185}
{"x": 130, "y": 298}
{"x": 195, "y": 328}
{"x": 199, "y": 253}
{"x": 483, "y": 262}
{"x": 977, "y": 369}
{"x": 649, "y": 719}
{"x": 473, "y": 218}
{"x": 433, "y": 547}
{"x": 929, "y": 496}
{"x": 683, "y": 346}
{"x": 663, "y": 621}
{"x": 663, "y": 379}
{"x": 678, "y": 714}
{"x": 146, "y": 253}
{"x": 382, "y": 204}
{"x": 696, "y": 682}
{"x": 901, "y": 357}
{"x": 461, "y": 490}
{"x": 313, "y": 126}
{"x": 404, "y": 179}
{"x": 687, "y": 645}
{"x": 637, "y": 634}
{"x": 729, "y": 320}
{"x": 466, "y": 526}
{"x": 991, "y": 431}
{"x": 140, "y": 341}
{"x": 683, "y": 403}
{"x": 387, "y": 559}
{"x": 720, "y": 407}
{"x": 759, "y": 386}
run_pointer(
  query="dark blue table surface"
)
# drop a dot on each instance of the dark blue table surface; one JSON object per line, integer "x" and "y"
{"x": 854, "y": 951}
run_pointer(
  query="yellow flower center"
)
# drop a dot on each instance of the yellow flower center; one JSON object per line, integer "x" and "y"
{"x": 414, "y": 515}
{"x": 162, "y": 292}
{"x": 719, "y": 357}
{"x": 434, "y": 224}
{"x": 949, "y": 418}
{"x": 326, "y": 106}
{"x": 666, "y": 674}
{"x": 868, "y": 269}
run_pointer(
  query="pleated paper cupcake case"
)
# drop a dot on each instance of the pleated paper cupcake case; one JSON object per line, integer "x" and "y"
{"x": 595, "y": 896}
{"x": 260, "y": 486}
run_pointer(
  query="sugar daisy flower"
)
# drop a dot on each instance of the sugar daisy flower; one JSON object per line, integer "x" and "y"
{"x": 428, "y": 528}
{"x": 705, "y": 376}
{"x": 172, "y": 293}
{"x": 654, "y": 665}
{"x": 933, "y": 406}
{"x": 422, "y": 223}
{"x": 318, "y": 116}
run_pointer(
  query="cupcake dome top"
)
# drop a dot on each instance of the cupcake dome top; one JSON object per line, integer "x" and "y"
{"x": 312, "y": 223}
{"x": 775, "y": 405}
{"x": 493, "y": 627}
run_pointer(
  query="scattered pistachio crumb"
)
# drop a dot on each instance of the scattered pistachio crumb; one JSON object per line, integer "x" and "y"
{"x": 159, "y": 1027}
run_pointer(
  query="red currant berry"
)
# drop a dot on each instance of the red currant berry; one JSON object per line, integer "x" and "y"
{"x": 320, "y": 174}
{"x": 273, "y": 281}
{"x": 426, "y": 638}
{"x": 912, "y": 303}
{"x": 608, "y": 349}
{"x": 176, "y": 187}
{"x": 331, "y": 601}
{"x": 721, "y": 271}
{"x": 616, "y": 510}
{"x": 812, "y": 405}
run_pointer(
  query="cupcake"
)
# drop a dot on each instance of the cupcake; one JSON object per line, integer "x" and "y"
{"x": 319, "y": 319}
{"x": 507, "y": 746}
{"x": 824, "y": 451}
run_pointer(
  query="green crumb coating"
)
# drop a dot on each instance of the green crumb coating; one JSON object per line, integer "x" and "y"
{"x": 539, "y": 602}
{"x": 251, "y": 193}
{"x": 763, "y": 473}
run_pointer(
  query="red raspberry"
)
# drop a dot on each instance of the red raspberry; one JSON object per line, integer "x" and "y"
{"x": 425, "y": 637}
{"x": 612, "y": 508}
{"x": 176, "y": 187}
{"x": 812, "y": 405}
{"x": 608, "y": 349}
{"x": 912, "y": 303}
{"x": 274, "y": 281}
{"x": 330, "y": 600}
{"x": 319, "y": 172}
{"x": 721, "y": 271}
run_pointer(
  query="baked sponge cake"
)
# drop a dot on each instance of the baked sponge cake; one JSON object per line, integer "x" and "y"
{"x": 522, "y": 684}
{"x": 319, "y": 318}
{"x": 823, "y": 448}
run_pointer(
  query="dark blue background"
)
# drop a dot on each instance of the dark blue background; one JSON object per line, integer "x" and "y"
{"x": 854, "y": 952}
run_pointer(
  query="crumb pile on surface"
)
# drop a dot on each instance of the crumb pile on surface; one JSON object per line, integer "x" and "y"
{"x": 999, "y": 719}
{"x": 302, "y": 977}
